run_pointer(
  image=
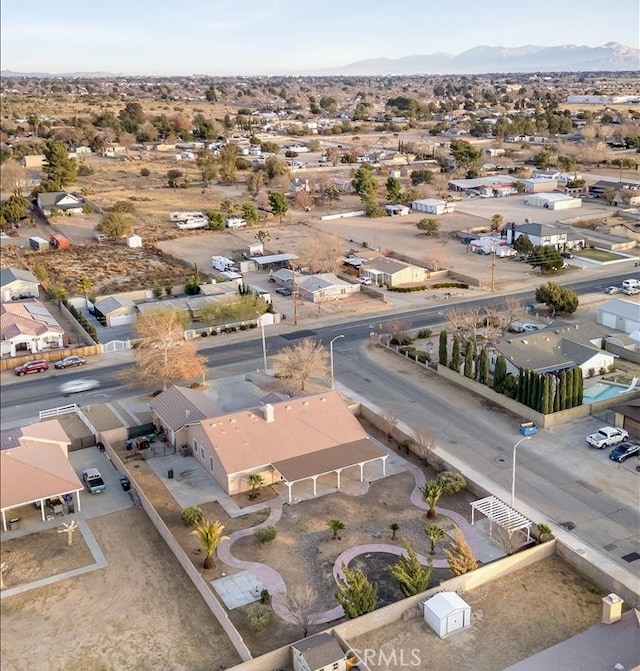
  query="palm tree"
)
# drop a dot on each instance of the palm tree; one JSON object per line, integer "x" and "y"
{"x": 434, "y": 533}
{"x": 394, "y": 527}
{"x": 432, "y": 491}
{"x": 336, "y": 526}
{"x": 255, "y": 482}
{"x": 85, "y": 285}
{"x": 210, "y": 536}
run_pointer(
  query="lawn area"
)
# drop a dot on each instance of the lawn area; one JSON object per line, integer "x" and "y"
{"x": 599, "y": 255}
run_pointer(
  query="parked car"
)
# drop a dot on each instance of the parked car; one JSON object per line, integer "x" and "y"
{"x": 566, "y": 255}
{"x": 364, "y": 280}
{"x": 93, "y": 481}
{"x": 283, "y": 291}
{"x": 37, "y": 366}
{"x": 76, "y": 386}
{"x": 530, "y": 328}
{"x": 612, "y": 290}
{"x": 607, "y": 436}
{"x": 632, "y": 291}
{"x": 70, "y": 361}
{"x": 623, "y": 451}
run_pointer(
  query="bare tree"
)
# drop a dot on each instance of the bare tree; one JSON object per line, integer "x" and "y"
{"x": 323, "y": 253}
{"x": 301, "y": 361}
{"x": 163, "y": 357}
{"x": 464, "y": 322}
{"x": 68, "y": 529}
{"x": 389, "y": 423}
{"x": 424, "y": 442}
{"x": 13, "y": 177}
{"x": 434, "y": 261}
{"x": 398, "y": 329}
{"x": 302, "y": 601}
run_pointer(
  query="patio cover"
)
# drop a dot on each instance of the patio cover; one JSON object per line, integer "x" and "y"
{"x": 33, "y": 473}
{"x": 503, "y": 515}
{"x": 328, "y": 460}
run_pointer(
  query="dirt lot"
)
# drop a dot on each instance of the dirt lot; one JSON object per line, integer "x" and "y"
{"x": 140, "y": 612}
{"x": 511, "y": 619}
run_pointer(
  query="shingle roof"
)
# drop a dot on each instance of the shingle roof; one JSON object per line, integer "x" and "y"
{"x": 623, "y": 307}
{"x": 112, "y": 303}
{"x": 178, "y": 406}
{"x": 9, "y": 275}
{"x": 319, "y": 650}
{"x": 385, "y": 265}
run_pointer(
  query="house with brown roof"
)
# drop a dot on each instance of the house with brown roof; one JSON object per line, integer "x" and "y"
{"x": 177, "y": 408}
{"x": 290, "y": 441}
{"x": 28, "y": 326}
{"x": 386, "y": 272}
{"x": 49, "y": 432}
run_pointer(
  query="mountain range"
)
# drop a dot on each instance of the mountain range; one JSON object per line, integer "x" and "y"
{"x": 609, "y": 57}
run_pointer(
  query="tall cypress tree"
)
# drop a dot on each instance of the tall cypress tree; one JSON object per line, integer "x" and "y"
{"x": 579, "y": 385}
{"x": 520, "y": 388}
{"x": 570, "y": 387}
{"x": 499, "y": 372}
{"x": 546, "y": 395}
{"x": 563, "y": 390}
{"x": 535, "y": 392}
{"x": 468, "y": 359}
{"x": 483, "y": 375}
{"x": 556, "y": 393}
{"x": 455, "y": 355}
{"x": 443, "y": 354}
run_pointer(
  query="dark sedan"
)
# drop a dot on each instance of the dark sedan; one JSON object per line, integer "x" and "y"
{"x": 623, "y": 451}
{"x": 70, "y": 362}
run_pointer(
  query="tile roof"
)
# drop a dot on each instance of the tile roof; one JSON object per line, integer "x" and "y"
{"x": 26, "y": 318}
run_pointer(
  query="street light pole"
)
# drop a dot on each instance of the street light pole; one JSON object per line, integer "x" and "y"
{"x": 513, "y": 471}
{"x": 331, "y": 357}
{"x": 264, "y": 344}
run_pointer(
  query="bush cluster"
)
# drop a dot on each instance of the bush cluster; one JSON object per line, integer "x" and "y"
{"x": 450, "y": 285}
{"x": 406, "y": 290}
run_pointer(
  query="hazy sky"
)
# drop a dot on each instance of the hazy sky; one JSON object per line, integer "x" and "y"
{"x": 228, "y": 37}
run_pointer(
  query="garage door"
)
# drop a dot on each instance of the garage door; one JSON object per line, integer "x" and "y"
{"x": 608, "y": 319}
{"x": 119, "y": 320}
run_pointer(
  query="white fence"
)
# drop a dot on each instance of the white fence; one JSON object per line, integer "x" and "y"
{"x": 55, "y": 412}
{"x": 117, "y": 346}
{"x": 343, "y": 215}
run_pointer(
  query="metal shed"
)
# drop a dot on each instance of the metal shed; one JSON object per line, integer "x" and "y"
{"x": 447, "y": 613}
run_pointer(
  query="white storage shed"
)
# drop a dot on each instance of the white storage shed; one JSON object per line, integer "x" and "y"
{"x": 447, "y": 613}
{"x": 432, "y": 206}
{"x": 134, "y": 241}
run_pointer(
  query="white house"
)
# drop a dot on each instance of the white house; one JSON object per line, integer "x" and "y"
{"x": 622, "y": 314}
{"x": 115, "y": 311}
{"x": 446, "y": 613}
{"x": 432, "y": 206}
{"x": 17, "y": 283}
{"x": 397, "y": 210}
{"x": 68, "y": 203}
{"x": 324, "y": 287}
{"x": 28, "y": 326}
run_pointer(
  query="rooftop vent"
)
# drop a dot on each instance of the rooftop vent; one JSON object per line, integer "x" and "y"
{"x": 269, "y": 413}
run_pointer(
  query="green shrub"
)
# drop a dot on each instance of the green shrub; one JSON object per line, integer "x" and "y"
{"x": 450, "y": 285}
{"x": 258, "y": 616}
{"x": 406, "y": 290}
{"x": 204, "y": 334}
{"x": 266, "y": 534}
{"x": 145, "y": 172}
{"x": 192, "y": 515}
{"x": 425, "y": 333}
{"x": 243, "y": 327}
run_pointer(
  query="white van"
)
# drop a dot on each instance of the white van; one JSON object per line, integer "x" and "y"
{"x": 191, "y": 224}
{"x": 630, "y": 284}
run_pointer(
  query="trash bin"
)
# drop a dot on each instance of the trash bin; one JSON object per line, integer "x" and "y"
{"x": 70, "y": 507}
{"x": 126, "y": 483}
{"x": 170, "y": 474}
{"x": 14, "y": 524}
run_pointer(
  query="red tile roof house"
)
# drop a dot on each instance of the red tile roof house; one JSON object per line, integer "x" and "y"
{"x": 291, "y": 441}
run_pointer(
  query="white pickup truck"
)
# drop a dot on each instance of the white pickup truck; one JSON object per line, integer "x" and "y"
{"x": 607, "y": 436}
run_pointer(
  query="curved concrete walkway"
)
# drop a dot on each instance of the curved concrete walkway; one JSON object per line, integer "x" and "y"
{"x": 273, "y": 581}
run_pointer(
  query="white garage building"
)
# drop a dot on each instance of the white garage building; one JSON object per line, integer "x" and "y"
{"x": 432, "y": 206}
{"x": 620, "y": 314}
{"x": 552, "y": 201}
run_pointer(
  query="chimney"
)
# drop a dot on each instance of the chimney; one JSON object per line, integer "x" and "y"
{"x": 611, "y": 608}
{"x": 269, "y": 414}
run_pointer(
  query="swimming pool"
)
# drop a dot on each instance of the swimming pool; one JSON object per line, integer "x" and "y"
{"x": 601, "y": 391}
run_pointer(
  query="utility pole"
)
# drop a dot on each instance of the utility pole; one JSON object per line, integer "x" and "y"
{"x": 493, "y": 266}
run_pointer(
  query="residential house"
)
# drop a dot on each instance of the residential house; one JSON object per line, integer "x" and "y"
{"x": 115, "y": 311}
{"x": 49, "y": 432}
{"x": 383, "y": 271}
{"x": 68, "y": 203}
{"x": 32, "y": 472}
{"x": 622, "y": 314}
{"x": 628, "y": 417}
{"x": 622, "y": 191}
{"x": 553, "y": 349}
{"x": 546, "y": 235}
{"x": 539, "y": 185}
{"x": 16, "y": 283}
{"x": 321, "y": 652}
{"x": 33, "y": 161}
{"x": 176, "y": 408}
{"x": 397, "y": 210}
{"x": 28, "y": 326}
{"x": 324, "y": 287}
{"x": 291, "y": 441}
